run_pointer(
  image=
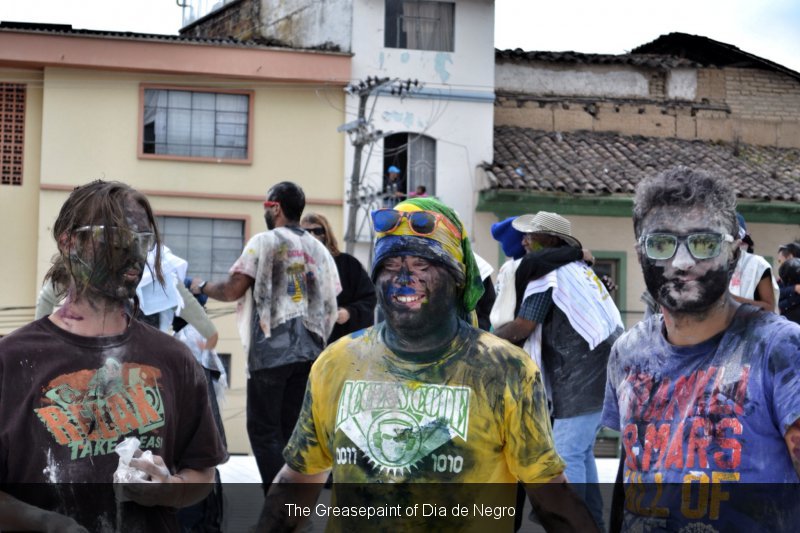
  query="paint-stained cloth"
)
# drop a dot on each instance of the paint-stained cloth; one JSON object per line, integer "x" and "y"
{"x": 67, "y": 400}
{"x": 514, "y": 275}
{"x": 580, "y": 294}
{"x": 713, "y": 412}
{"x": 155, "y": 297}
{"x": 573, "y": 343}
{"x": 295, "y": 277}
{"x": 374, "y": 417}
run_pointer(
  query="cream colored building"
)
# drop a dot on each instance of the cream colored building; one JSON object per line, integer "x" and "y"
{"x": 202, "y": 126}
{"x": 437, "y": 132}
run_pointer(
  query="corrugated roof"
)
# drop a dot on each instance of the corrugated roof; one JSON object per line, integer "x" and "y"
{"x": 659, "y": 61}
{"x": 68, "y": 30}
{"x": 598, "y": 163}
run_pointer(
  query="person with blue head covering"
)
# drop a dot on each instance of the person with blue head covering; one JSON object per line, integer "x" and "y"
{"x": 394, "y": 188}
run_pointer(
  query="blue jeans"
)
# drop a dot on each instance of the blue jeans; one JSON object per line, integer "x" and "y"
{"x": 574, "y": 438}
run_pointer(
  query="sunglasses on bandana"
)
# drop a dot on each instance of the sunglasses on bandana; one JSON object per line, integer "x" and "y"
{"x": 119, "y": 237}
{"x": 662, "y": 246}
{"x": 422, "y": 223}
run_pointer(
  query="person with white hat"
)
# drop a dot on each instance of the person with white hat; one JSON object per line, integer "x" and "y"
{"x": 568, "y": 321}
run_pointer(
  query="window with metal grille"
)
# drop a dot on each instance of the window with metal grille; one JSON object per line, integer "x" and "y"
{"x": 12, "y": 132}
{"x": 415, "y": 156}
{"x": 210, "y": 245}
{"x": 196, "y": 124}
{"x": 419, "y": 25}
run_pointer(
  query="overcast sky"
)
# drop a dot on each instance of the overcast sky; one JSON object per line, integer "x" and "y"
{"x": 767, "y": 28}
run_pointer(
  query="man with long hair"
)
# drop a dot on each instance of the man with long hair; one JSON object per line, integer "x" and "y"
{"x": 76, "y": 383}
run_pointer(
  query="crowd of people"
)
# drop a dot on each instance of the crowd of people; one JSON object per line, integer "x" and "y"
{"x": 462, "y": 381}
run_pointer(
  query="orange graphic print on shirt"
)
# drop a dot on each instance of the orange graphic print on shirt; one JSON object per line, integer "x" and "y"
{"x": 90, "y": 411}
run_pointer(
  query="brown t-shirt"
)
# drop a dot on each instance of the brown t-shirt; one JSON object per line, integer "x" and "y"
{"x": 67, "y": 400}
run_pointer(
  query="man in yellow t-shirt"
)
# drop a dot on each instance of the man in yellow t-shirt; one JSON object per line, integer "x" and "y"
{"x": 424, "y": 398}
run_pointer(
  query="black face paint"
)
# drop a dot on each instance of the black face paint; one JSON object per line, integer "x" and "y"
{"x": 671, "y": 293}
{"x": 418, "y": 301}
{"x": 683, "y": 283}
{"x": 111, "y": 268}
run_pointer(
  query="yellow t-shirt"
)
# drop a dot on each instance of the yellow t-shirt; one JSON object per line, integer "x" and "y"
{"x": 478, "y": 414}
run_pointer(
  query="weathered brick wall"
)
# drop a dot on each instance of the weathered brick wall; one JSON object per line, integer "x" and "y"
{"x": 657, "y": 84}
{"x": 762, "y": 95}
{"x": 710, "y": 85}
{"x": 240, "y": 20}
{"x": 752, "y": 106}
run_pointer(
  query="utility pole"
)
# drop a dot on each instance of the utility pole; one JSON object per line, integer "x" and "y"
{"x": 362, "y": 133}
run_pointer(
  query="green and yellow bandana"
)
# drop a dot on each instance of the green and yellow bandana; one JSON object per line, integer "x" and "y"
{"x": 448, "y": 244}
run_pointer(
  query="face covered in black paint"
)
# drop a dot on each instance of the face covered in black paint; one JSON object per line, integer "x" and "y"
{"x": 110, "y": 261}
{"x": 682, "y": 283}
{"x": 415, "y": 294}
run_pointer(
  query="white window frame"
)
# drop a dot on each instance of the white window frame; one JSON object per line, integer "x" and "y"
{"x": 228, "y": 140}
{"x": 420, "y": 25}
{"x": 226, "y": 242}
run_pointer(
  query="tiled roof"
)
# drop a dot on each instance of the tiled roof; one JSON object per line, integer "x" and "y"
{"x": 660, "y": 61}
{"x": 707, "y": 51}
{"x": 594, "y": 163}
{"x": 68, "y": 30}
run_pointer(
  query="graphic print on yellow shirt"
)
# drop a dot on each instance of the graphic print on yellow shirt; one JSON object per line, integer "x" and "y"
{"x": 397, "y": 424}
{"x": 90, "y": 411}
{"x": 478, "y": 414}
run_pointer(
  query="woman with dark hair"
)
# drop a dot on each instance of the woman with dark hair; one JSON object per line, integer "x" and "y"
{"x": 752, "y": 281}
{"x": 357, "y": 300}
{"x": 789, "y": 272}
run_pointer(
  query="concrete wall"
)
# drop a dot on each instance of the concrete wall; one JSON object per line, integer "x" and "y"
{"x": 681, "y": 84}
{"x": 455, "y": 106}
{"x": 590, "y": 80}
{"x": 469, "y": 66}
{"x": 308, "y": 23}
{"x": 294, "y": 23}
{"x": 19, "y": 209}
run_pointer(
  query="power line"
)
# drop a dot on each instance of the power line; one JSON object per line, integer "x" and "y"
{"x": 362, "y": 132}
